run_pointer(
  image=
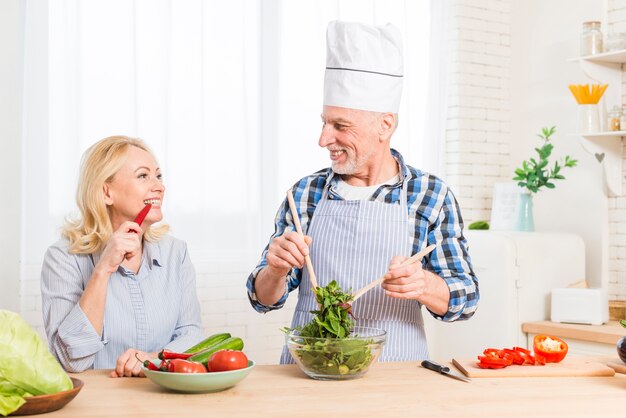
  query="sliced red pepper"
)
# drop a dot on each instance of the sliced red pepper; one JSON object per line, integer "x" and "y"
{"x": 522, "y": 350}
{"x": 515, "y": 356}
{"x": 489, "y": 366}
{"x": 553, "y": 349}
{"x": 492, "y": 352}
{"x": 540, "y": 360}
{"x": 494, "y": 360}
{"x": 526, "y": 355}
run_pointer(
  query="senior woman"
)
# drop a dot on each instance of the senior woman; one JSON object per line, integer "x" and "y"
{"x": 115, "y": 292}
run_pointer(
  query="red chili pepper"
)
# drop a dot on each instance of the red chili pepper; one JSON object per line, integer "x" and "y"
{"x": 142, "y": 215}
{"x": 148, "y": 364}
{"x": 169, "y": 355}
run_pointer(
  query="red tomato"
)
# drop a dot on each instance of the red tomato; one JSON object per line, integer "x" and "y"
{"x": 224, "y": 360}
{"x": 553, "y": 349}
{"x": 185, "y": 366}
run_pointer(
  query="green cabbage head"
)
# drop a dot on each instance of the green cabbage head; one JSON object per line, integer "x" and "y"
{"x": 26, "y": 366}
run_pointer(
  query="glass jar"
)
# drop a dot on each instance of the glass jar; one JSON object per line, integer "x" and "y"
{"x": 622, "y": 119}
{"x": 591, "y": 38}
{"x": 613, "y": 122}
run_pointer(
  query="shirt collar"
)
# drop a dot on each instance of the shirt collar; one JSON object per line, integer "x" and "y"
{"x": 152, "y": 254}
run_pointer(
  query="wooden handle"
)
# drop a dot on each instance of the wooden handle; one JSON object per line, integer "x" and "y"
{"x": 296, "y": 221}
{"x": 415, "y": 257}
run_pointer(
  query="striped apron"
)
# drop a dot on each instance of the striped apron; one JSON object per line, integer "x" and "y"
{"x": 353, "y": 242}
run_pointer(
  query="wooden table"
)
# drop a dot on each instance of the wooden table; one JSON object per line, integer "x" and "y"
{"x": 388, "y": 390}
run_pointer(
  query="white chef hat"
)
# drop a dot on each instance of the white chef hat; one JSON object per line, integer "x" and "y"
{"x": 364, "y": 66}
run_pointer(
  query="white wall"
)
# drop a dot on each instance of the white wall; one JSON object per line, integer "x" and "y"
{"x": 510, "y": 79}
{"x": 544, "y": 35}
{"x": 616, "y": 22}
{"x": 478, "y": 123}
{"x": 11, "y": 49}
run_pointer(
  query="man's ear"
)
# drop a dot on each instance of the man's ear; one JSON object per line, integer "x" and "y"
{"x": 387, "y": 126}
{"x": 106, "y": 192}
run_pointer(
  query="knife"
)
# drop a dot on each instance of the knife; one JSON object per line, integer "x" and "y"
{"x": 431, "y": 365}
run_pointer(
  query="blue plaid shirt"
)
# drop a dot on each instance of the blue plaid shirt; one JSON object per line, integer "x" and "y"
{"x": 434, "y": 216}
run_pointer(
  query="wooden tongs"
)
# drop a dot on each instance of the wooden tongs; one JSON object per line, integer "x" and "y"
{"x": 296, "y": 221}
{"x": 413, "y": 259}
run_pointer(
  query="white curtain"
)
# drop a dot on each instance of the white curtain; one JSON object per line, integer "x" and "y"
{"x": 227, "y": 93}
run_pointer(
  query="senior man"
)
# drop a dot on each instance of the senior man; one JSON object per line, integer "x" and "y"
{"x": 369, "y": 211}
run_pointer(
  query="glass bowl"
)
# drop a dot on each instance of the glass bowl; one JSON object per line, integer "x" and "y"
{"x": 337, "y": 358}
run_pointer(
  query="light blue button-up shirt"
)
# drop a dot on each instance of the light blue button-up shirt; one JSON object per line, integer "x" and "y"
{"x": 153, "y": 309}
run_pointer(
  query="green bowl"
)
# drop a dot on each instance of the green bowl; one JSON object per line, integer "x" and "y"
{"x": 197, "y": 382}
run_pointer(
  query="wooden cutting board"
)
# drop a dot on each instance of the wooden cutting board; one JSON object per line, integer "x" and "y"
{"x": 570, "y": 366}
{"x": 618, "y": 366}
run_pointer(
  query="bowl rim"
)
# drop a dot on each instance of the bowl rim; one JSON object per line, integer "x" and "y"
{"x": 77, "y": 385}
{"x": 379, "y": 334}
{"x": 251, "y": 364}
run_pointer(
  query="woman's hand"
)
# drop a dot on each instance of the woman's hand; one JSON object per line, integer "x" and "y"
{"x": 129, "y": 363}
{"x": 286, "y": 252}
{"x": 404, "y": 282}
{"x": 123, "y": 245}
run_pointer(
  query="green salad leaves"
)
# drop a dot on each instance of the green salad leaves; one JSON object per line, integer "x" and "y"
{"x": 324, "y": 343}
{"x": 332, "y": 320}
{"x": 26, "y": 366}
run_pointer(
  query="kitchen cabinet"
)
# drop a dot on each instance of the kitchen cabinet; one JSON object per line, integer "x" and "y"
{"x": 606, "y": 147}
{"x": 584, "y": 340}
{"x": 516, "y": 274}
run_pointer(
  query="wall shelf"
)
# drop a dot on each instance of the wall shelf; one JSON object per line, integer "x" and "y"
{"x": 606, "y": 147}
{"x": 618, "y": 57}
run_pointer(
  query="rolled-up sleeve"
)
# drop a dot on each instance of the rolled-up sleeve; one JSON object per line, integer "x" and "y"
{"x": 451, "y": 261}
{"x": 188, "y": 329}
{"x": 71, "y": 337}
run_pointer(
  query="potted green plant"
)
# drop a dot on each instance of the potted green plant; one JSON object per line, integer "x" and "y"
{"x": 537, "y": 173}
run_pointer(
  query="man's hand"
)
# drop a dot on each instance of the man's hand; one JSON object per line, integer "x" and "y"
{"x": 405, "y": 282}
{"x": 286, "y": 252}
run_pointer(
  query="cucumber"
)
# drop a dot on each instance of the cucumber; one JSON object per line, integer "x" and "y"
{"x": 208, "y": 342}
{"x": 233, "y": 343}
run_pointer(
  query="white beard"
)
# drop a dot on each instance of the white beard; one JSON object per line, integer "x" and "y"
{"x": 352, "y": 164}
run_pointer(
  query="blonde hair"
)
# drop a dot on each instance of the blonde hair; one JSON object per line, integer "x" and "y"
{"x": 89, "y": 234}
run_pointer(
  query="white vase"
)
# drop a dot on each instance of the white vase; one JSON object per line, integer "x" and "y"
{"x": 588, "y": 118}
